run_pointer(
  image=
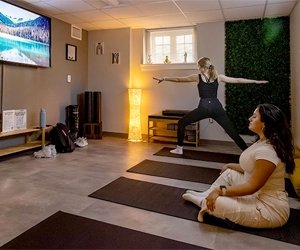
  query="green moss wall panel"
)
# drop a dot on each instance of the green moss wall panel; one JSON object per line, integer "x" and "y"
{"x": 257, "y": 49}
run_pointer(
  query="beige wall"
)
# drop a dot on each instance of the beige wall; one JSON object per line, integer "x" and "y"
{"x": 32, "y": 88}
{"x": 111, "y": 79}
{"x": 295, "y": 72}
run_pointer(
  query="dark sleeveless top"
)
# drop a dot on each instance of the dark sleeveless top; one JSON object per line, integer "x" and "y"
{"x": 207, "y": 90}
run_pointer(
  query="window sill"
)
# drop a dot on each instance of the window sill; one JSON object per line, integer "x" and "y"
{"x": 172, "y": 66}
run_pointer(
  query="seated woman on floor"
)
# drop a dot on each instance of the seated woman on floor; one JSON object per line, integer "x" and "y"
{"x": 252, "y": 193}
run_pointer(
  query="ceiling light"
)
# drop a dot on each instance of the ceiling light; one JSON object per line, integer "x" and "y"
{"x": 112, "y": 2}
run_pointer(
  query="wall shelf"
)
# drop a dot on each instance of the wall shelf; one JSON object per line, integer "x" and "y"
{"x": 28, "y": 142}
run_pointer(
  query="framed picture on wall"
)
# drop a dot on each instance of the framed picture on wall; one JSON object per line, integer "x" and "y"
{"x": 115, "y": 58}
{"x": 71, "y": 52}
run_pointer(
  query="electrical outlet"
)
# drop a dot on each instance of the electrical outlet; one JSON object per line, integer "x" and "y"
{"x": 69, "y": 78}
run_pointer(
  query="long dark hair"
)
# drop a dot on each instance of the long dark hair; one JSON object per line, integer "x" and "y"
{"x": 278, "y": 132}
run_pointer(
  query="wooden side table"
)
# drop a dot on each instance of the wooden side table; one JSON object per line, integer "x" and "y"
{"x": 164, "y": 128}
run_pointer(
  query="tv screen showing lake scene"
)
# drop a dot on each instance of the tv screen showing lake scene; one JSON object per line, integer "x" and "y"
{"x": 24, "y": 36}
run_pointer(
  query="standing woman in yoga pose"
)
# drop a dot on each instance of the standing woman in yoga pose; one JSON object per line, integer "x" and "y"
{"x": 252, "y": 193}
{"x": 209, "y": 105}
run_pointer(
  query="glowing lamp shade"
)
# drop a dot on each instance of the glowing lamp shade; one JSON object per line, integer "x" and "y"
{"x": 135, "y": 132}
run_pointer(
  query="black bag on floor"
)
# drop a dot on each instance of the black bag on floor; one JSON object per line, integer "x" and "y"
{"x": 60, "y": 136}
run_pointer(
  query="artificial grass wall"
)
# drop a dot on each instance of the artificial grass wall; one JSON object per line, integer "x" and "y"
{"x": 257, "y": 49}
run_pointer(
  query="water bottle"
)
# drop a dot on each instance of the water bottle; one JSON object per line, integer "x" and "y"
{"x": 42, "y": 118}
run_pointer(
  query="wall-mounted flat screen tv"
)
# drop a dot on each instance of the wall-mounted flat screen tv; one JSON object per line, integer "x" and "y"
{"x": 25, "y": 36}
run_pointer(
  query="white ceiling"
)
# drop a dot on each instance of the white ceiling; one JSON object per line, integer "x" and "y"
{"x": 112, "y": 14}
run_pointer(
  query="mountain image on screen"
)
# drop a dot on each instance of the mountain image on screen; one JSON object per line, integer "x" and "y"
{"x": 24, "y": 36}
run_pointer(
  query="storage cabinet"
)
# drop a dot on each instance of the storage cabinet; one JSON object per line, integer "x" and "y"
{"x": 28, "y": 136}
{"x": 164, "y": 128}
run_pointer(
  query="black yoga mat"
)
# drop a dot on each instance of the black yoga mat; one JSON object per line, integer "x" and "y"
{"x": 67, "y": 231}
{"x": 168, "y": 200}
{"x": 188, "y": 173}
{"x": 176, "y": 171}
{"x": 200, "y": 155}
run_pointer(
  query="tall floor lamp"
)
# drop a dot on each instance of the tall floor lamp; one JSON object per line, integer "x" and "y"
{"x": 135, "y": 131}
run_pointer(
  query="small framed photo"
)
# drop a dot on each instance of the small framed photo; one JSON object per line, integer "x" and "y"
{"x": 71, "y": 54}
{"x": 115, "y": 58}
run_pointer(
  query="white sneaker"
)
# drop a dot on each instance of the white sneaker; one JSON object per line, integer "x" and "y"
{"x": 46, "y": 152}
{"x": 81, "y": 142}
{"x": 85, "y": 142}
{"x": 178, "y": 150}
{"x": 38, "y": 154}
{"x": 53, "y": 150}
{"x": 78, "y": 142}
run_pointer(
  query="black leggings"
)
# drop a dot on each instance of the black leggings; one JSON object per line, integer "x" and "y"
{"x": 209, "y": 108}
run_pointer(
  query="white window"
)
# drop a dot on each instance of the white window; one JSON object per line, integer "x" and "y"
{"x": 176, "y": 45}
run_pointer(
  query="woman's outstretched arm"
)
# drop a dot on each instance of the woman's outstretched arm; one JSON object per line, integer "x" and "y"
{"x": 227, "y": 79}
{"x": 190, "y": 78}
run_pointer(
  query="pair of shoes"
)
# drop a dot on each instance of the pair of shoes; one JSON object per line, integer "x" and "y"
{"x": 46, "y": 152}
{"x": 178, "y": 150}
{"x": 81, "y": 142}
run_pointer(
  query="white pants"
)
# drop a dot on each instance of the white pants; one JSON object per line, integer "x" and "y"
{"x": 268, "y": 210}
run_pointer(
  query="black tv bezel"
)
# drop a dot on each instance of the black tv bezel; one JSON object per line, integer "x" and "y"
{"x": 50, "y": 40}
